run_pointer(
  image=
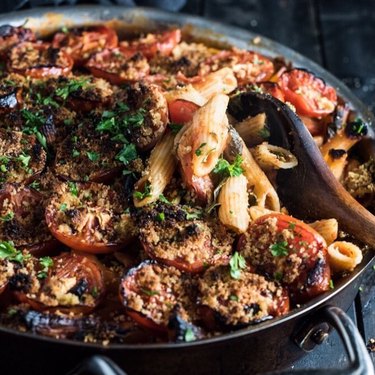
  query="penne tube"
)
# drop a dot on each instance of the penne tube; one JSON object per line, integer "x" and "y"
{"x": 271, "y": 157}
{"x": 188, "y": 93}
{"x": 208, "y": 134}
{"x": 159, "y": 172}
{"x": 233, "y": 199}
{"x": 344, "y": 256}
{"x": 222, "y": 81}
{"x": 258, "y": 181}
{"x": 335, "y": 152}
{"x": 253, "y": 129}
{"x": 328, "y": 229}
{"x": 257, "y": 212}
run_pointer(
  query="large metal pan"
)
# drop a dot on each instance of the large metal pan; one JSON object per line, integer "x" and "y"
{"x": 269, "y": 346}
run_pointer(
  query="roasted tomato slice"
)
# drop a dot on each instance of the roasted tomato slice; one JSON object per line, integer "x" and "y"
{"x": 10, "y": 36}
{"x": 81, "y": 43}
{"x": 117, "y": 67}
{"x": 69, "y": 282}
{"x": 247, "y": 66}
{"x": 289, "y": 251}
{"x": 88, "y": 155}
{"x": 153, "y": 44}
{"x": 271, "y": 88}
{"x": 174, "y": 236}
{"x": 308, "y": 93}
{"x": 89, "y": 217}
{"x": 22, "y": 157}
{"x": 151, "y": 292}
{"x": 226, "y": 302}
{"x": 22, "y": 220}
{"x": 147, "y": 115}
{"x": 181, "y": 111}
{"x": 39, "y": 60}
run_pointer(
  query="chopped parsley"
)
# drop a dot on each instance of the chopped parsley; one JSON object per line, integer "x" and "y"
{"x": 278, "y": 276}
{"x": 233, "y": 297}
{"x": 71, "y": 86}
{"x": 160, "y": 216}
{"x": 150, "y": 292}
{"x": 45, "y": 263}
{"x": 35, "y": 185}
{"x": 189, "y": 335}
{"x": 33, "y": 122}
{"x": 93, "y": 156}
{"x": 279, "y": 249}
{"x": 291, "y": 225}
{"x": 224, "y": 168}
{"x": 127, "y": 154}
{"x": 264, "y": 133}
{"x": 75, "y": 153}
{"x": 193, "y": 215}
{"x": 356, "y": 128}
{"x": 63, "y": 207}
{"x": 8, "y": 217}
{"x": 331, "y": 286}
{"x": 73, "y": 188}
{"x": 237, "y": 263}
{"x": 198, "y": 151}
{"x": 9, "y": 252}
{"x": 139, "y": 195}
{"x": 163, "y": 199}
{"x": 175, "y": 128}
{"x": 25, "y": 160}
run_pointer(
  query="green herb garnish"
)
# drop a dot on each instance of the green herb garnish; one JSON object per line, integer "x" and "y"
{"x": 71, "y": 86}
{"x": 198, "y": 151}
{"x": 279, "y": 249}
{"x": 9, "y": 252}
{"x": 93, "y": 156}
{"x": 160, "y": 216}
{"x": 150, "y": 292}
{"x": 175, "y": 128}
{"x": 127, "y": 154}
{"x": 224, "y": 168}
{"x": 8, "y": 217}
{"x": 46, "y": 263}
{"x": 189, "y": 335}
{"x": 73, "y": 188}
{"x": 139, "y": 195}
{"x": 237, "y": 263}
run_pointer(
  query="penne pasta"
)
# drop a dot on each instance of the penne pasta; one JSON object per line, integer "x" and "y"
{"x": 233, "y": 199}
{"x": 273, "y": 157}
{"x": 258, "y": 181}
{"x": 159, "y": 172}
{"x": 257, "y": 212}
{"x": 208, "y": 135}
{"x": 344, "y": 256}
{"x": 222, "y": 81}
{"x": 188, "y": 93}
{"x": 328, "y": 229}
{"x": 334, "y": 152}
{"x": 253, "y": 129}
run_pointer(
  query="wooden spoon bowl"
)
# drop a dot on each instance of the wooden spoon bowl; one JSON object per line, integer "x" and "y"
{"x": 310, "y": 190}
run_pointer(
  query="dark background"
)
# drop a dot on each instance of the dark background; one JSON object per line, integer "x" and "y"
{"x": 337, "y": 34}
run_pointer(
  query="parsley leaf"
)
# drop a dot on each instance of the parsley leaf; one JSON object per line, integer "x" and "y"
{"x": 189, "y": 335}
{"x": 139, "y": 195}
{"x": 127, "y": 154}
{"x": 163, "y": 199}
{"x": 226, "y": 169}
{"x": 160, "y": 216}
{"x": 93, "y": 156}
{"x": 8, "y": 217}
{"x": 198, "y": 151}
{"x": 46, "y": 263}
{"x": 63, "y": 207}
{"x": 33, "y": 122}
{"x": 8, "y": 251}
{"x": 237, "y": 263}
{"x": 175, "y": 128}
{"x": 279, "y": 249}
{"x": 73, "y": 188}
{"x": 71, "y": 86}
{"x": 150, "y": 292}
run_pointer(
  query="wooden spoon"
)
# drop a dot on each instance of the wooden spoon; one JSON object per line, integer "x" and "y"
{"x": 309, "y": 191}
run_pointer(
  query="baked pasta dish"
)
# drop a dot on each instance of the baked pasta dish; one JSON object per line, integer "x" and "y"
{"x": 135, "y": 207}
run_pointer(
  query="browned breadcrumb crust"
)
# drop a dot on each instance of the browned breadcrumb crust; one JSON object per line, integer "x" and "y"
{"x": 22, "y": 213}
{"x": 238, "y": 302}
{"x": 360, "y": 180}
{"x": 284, "y": 268}
{"x": 177, "y": 238}
{"x": 92, "y": 210}
{"x": 154, "y": 291}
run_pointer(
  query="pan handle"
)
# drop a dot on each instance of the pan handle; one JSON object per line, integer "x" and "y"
{"x": 97, "y": 365}
{"x": 359, "y": 359}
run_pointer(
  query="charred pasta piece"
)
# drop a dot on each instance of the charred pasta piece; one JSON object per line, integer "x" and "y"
{"x": 176, "y": 236}
{"x": 39, "y": 60}
{"x": 69, "y": 283}
{"x": 22, "y": 158}
{"x": 151, "y": 292}
{"x": 153, "y": 44}
{"x": 229, "y": 300}
{"x": 117, "y": 67}
{"x": 81, "y": 43}
{"x": 89, "y": 217}
{"x": 11, "y": 35}
{"x": 289, "y": 251}
{"x": 22, "y": 220}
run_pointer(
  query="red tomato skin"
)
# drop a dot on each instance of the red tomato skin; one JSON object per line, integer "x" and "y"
{"x": 292, "y": 81}
{"x": 273, "y": 89}
{"x": 181, "y": 111}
